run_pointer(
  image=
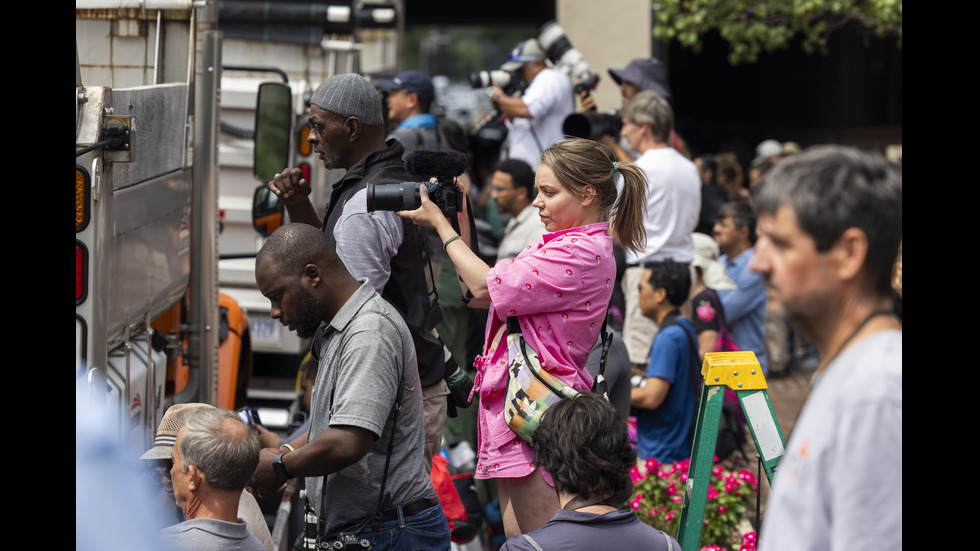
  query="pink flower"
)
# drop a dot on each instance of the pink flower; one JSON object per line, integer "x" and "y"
{"x": 635, "y": 502}
{"x": 712, "y": 492}
{"x": 722, "y": 509}
{"x": 705, "y": 312}
{"x": 669, "y": 517}
{"x": 652, "y": 464}
{"x": 670, "y": 490}
{"x": 636, "y": 475}
{"x": 747, "y": 476}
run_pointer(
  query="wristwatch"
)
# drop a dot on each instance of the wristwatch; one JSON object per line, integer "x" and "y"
{"x": 279, "y": 468}
{"x": 494, "y": 99}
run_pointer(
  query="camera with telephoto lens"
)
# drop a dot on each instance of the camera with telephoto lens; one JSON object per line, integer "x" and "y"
{"x": 559, "y": 50}
{"x": 508, "y": 81}
{"x": 592, "y": 125}
{"x": 444, "y": 166}
{"x": 347, "y": 541}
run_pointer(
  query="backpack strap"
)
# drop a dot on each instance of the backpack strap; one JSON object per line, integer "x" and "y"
{"x": 671, "y": 319}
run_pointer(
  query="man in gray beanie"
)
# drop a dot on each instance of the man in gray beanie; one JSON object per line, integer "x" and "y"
{"x": 347, "y": 132}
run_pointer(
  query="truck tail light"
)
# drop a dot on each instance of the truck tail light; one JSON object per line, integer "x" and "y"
{"x": 82, "y": 202}
{"x": 81, "y": 272}
{"x": 304, "y": 146}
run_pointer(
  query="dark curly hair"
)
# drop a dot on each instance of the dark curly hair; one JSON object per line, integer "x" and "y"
{"x": 583, "y": 443}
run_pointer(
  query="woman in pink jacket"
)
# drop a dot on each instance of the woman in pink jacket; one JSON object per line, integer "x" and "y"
{"x": 558, "y": 288}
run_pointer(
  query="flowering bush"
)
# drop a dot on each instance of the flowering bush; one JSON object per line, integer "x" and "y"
{"x": 659, "y": 495}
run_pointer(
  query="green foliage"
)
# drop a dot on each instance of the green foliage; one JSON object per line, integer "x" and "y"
{"x": 754, "y": 26}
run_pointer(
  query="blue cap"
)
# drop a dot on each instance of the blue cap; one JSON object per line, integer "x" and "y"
{"x": 416, "y": 82}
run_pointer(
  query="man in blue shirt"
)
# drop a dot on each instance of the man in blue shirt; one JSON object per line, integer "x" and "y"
{"x": 410, "y": 96}
{"x": 745, "y": 307}
{"x": 665, "y": 398}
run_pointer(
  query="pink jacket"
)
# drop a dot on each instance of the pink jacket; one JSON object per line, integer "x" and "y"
{"x": 559, "y": 289}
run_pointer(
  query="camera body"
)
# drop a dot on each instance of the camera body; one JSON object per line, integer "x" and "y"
{"x": 347, "y": 541}
{"x": 444, "y": 166}
{"x": 408, "y": 196}
{"x": 592, "y": 125}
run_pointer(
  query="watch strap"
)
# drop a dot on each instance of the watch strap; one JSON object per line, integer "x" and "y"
{"x": 280, "y": 468}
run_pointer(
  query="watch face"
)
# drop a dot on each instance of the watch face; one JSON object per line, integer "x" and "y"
{"x": 279, "y": 468}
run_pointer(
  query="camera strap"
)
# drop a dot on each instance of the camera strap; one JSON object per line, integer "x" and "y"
{"x": 391, "y": 445}
{"x": 375, "y": 519}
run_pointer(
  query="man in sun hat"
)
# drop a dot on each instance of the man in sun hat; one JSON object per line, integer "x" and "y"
{"x": 644, "y": 73}
{"x": 159, "y": 456}
{"x": 535, "y": 118}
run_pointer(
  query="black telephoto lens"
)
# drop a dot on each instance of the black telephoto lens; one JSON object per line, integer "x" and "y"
{"x": 403, "y": 196}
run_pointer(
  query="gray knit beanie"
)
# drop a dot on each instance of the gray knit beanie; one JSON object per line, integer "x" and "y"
{"x": 350, "y": 95}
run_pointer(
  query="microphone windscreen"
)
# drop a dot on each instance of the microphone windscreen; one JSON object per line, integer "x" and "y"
{"x": 438, "y": 164}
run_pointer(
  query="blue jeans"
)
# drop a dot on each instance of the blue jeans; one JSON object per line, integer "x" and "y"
{"x": 425, "y": 531}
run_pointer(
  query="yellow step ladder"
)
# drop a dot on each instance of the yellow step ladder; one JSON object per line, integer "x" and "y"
{"x": 739, "y": 371}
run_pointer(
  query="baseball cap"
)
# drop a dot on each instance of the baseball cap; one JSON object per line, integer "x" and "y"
{"x": 528, "y": 50}
{"x": 649, "y": 73}
{"x": 416, "y": 82}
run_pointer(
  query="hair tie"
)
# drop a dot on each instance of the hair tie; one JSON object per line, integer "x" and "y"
{"x": 615, "y": 167}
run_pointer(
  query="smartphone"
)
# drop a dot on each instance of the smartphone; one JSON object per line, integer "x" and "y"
{"x": 249, "y": 416}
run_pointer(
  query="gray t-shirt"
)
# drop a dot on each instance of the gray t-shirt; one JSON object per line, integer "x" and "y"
{"x": 839, "y": 484}
{"x": 365, "y": 351}
{"x": 208, "y": 534}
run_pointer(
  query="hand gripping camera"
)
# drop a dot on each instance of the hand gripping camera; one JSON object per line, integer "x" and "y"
{"x": 444, "y": 166}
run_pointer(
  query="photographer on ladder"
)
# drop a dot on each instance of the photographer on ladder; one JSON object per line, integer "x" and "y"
{"x": 535, "y": 118}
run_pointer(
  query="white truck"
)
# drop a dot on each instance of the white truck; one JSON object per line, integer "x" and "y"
{"x": 156, "y": 179}
{"x": 300, "y": 45}
{"x": 151, "y": 328}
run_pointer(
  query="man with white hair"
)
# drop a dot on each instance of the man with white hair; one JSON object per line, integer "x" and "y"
{"x": 214, "y": 456}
